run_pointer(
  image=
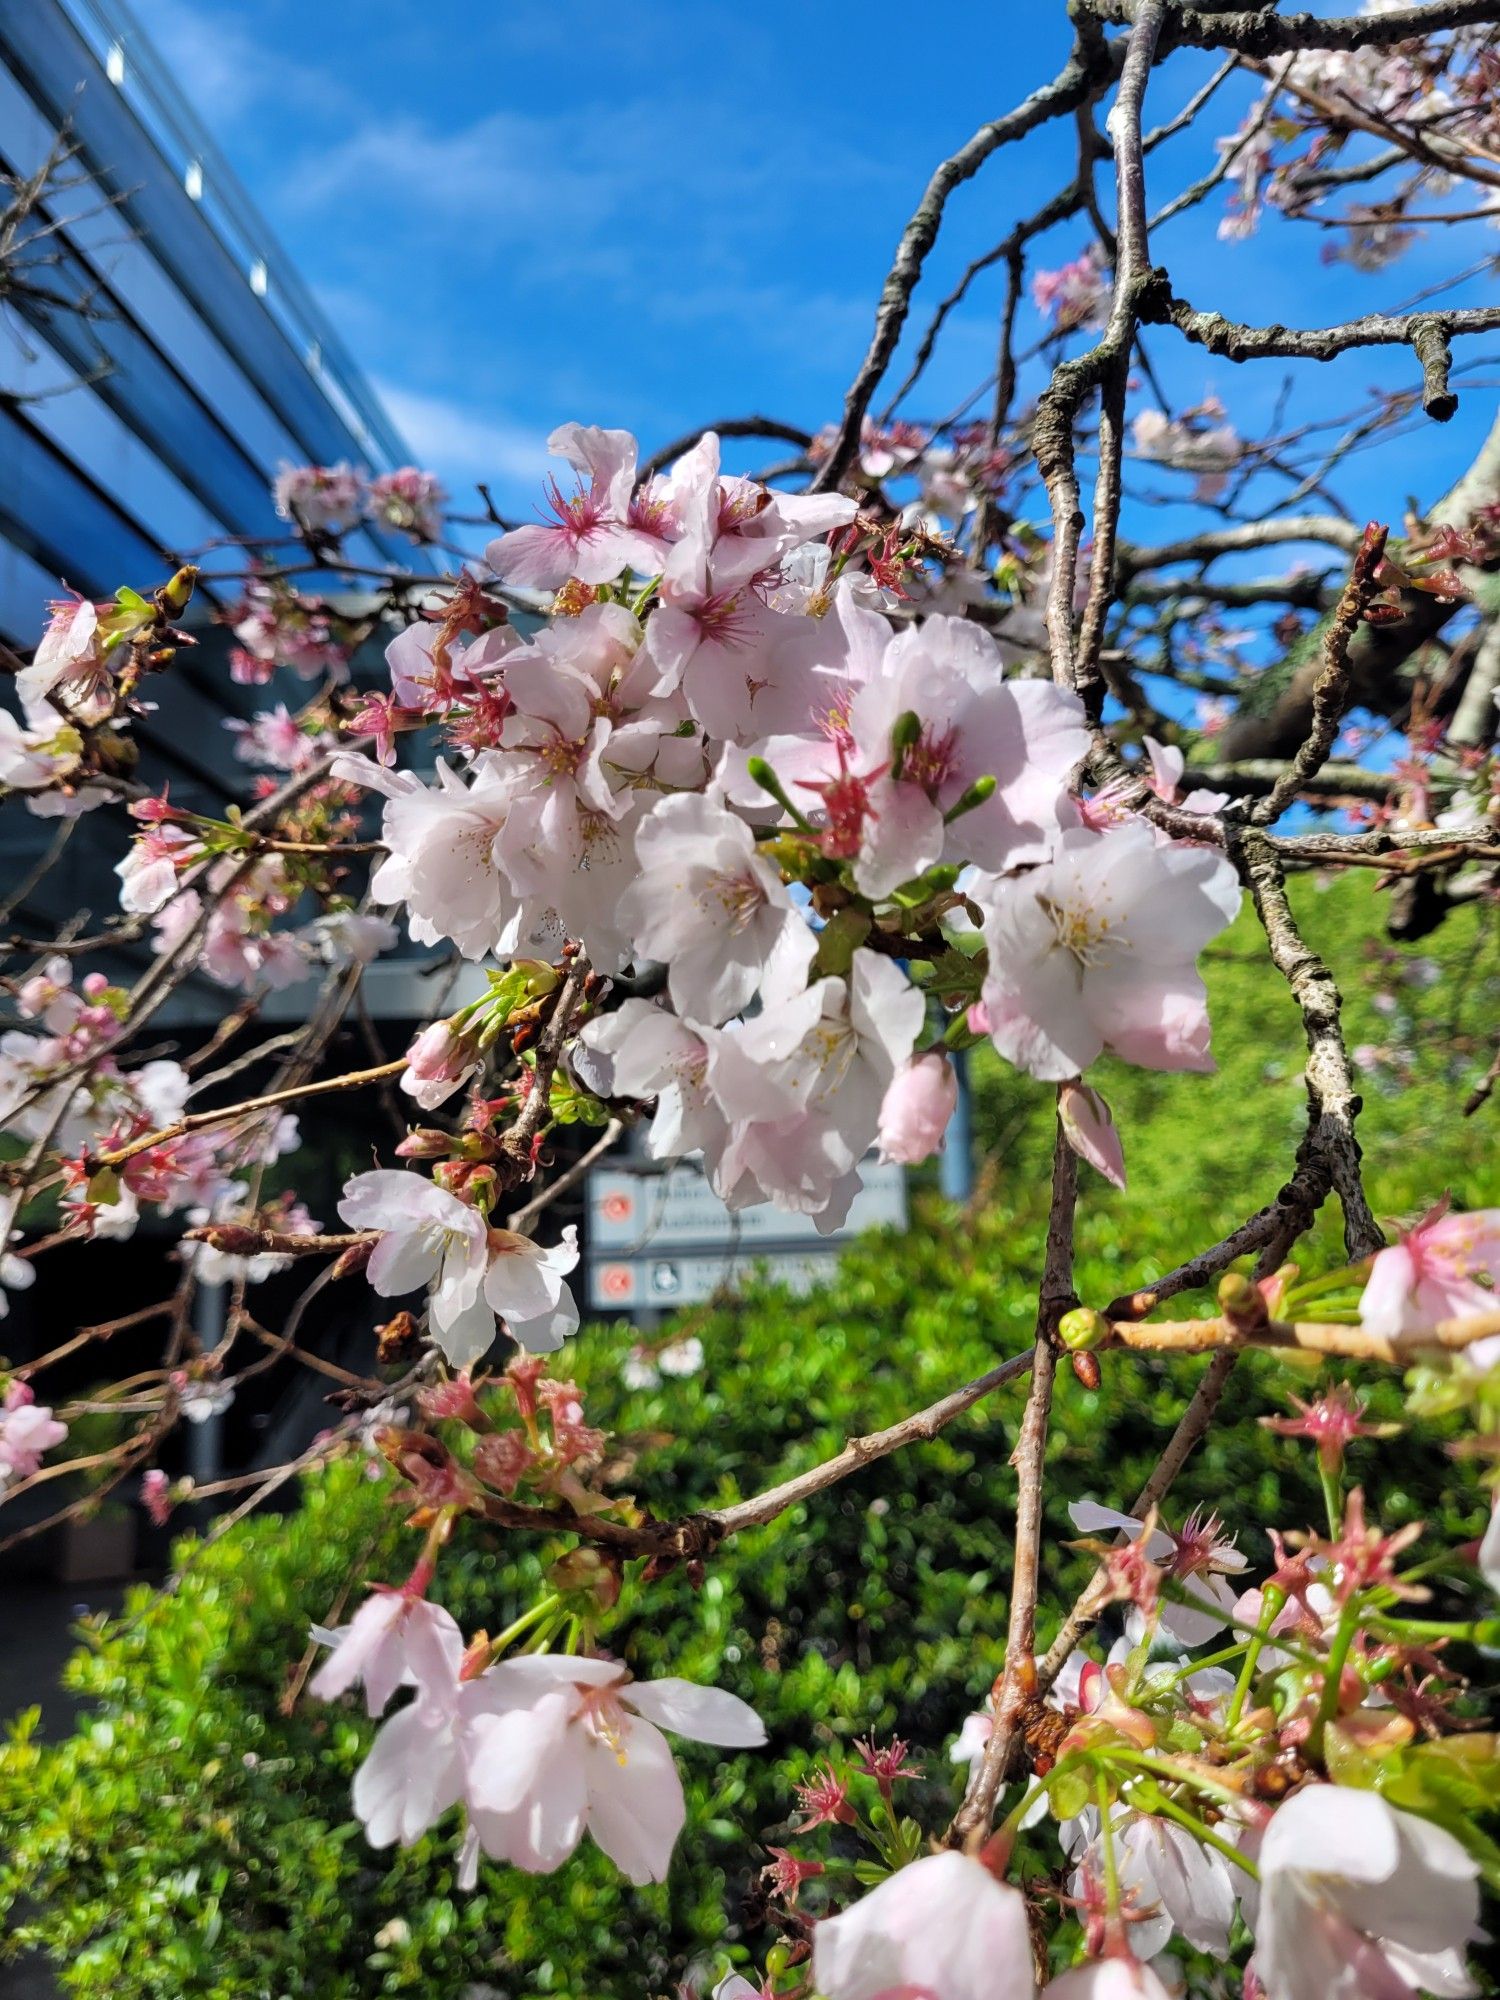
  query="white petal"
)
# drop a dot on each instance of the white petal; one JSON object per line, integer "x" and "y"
{"x": 703, "y": 1714}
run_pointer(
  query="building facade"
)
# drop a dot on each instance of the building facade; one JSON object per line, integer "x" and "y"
{"x": 162, "y": 362}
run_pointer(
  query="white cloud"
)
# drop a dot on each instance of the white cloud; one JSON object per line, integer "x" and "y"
{"x": 225, "y": 67}
{"x": 461, "y": 443}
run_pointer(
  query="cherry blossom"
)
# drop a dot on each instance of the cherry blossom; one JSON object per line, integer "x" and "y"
{"x": 578, "y": 1747}
{"x": 441, "y": 861}
{"x": 1174, "y": 1882}
{"x": 1097, "y": 949}
{"x": 396, "y": 1637}
{"x": 644, "y": 1051}
{"x": 942, "y": 1925}
{"x": 1357, "y": 1897}
{"x": 1197, "y": 1559}
{"x": 27, "y": 1427}
{"x": 524, "y": 1285}
{"x": 1431, "y": 1273}
{"x": 324, "y": 498}
{"x": 803, "y": 1084}
{"x": 1076, "y": 294}
{"x": 706, "y": 904}
{"x": 971, "y": 725}
{"x": 589, "y": 536}
{"x": 410, "y": 500}
{"x": 437, "y": 1063}
{"x": 428, "y": 1238}
{"x": 16, "y": 1273}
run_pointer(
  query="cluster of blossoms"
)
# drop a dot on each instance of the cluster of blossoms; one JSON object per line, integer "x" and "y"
{"x": 1218, "y": 1778}
{"x": 1189, "y": 1801}
{"x": 537, "y": 1745}
{"x": 1200, "y": 441}
{"x": 327, "y": 500}
{"x": 277, "y": 626}
{"x": 62, "y": 1076}
{"x": 539, "y": 1748}
{"x": 723, "y": 758}
{"x": 66, "y": 748}
{"x": 954, "y": 474}
{"x": 1436, "y": 94}
{"x": 1076, "y": 295}
{"x": 207, "y": 883}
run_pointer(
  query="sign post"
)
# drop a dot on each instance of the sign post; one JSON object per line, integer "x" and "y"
{"x": 658, "y": 1239}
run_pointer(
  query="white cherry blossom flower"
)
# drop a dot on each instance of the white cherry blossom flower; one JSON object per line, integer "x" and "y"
{"x": 578, "y": 1748}
{"x": 706, "y": 904}
{"x": 1357, "y": 1899}
{"x": 1097, "y": 949}
{"x": 942, "y": 1925}
{"x": 429, "y": 1238}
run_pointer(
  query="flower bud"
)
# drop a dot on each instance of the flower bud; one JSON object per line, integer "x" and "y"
{"x": 425, "y": 1142}
{"x": 1086, "y": 1369}
{"x": 1241, "y": 1302}
{"x": 351, "y": 1262}
{"x": 917, "y": 1106}
{"x": 1090, "y": 1131}
{"x": 1083, "y": 1329}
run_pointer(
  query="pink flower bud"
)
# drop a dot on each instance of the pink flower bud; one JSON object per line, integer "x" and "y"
{"x": 1089, "y": 1129}
{"x": 918, "y": 1103}
{"x": 436, "y": 1064}
{"x": 156, "y": 1496}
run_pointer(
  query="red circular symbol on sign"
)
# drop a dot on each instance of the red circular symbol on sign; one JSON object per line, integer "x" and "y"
{"x": 616, "y": 1282}
{"x": 616, "y": 1207}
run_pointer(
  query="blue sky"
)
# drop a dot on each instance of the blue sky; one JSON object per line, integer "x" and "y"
{"x": 671, "y": 213}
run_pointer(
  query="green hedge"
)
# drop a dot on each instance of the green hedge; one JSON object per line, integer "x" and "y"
{"x": 191, "y": 1841}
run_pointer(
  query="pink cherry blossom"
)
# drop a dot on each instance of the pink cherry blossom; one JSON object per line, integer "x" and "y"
{"x": 27, "y": 1430}
{"x": 588, "y": 536}
{"x": 1097, "y": 949}
{"x": 437, "y": 1063}
{"x": 441, "y": 860}
{"x": 325, "y": 498}
{"x": 410, "y": 500}
{"x": 71, "y": 661}
{"x": 1027, "y": 736}
{"x": 644, "y": 1051}
{"x": 941, "y": 1926}
{"x": 802, "y": 1085}
{"x": 916, "y": 1108}
{"x": 395, "y": 1637}
{"x": 1076, "y": 294}
{"x": 1197, "y": 1558}
{"x": 1431, "y": 1273}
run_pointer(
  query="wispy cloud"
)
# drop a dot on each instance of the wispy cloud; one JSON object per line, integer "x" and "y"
{"x": 460, "y": 442}
{"x": 587, "y": 192}
{"x": 227, "y": 69}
